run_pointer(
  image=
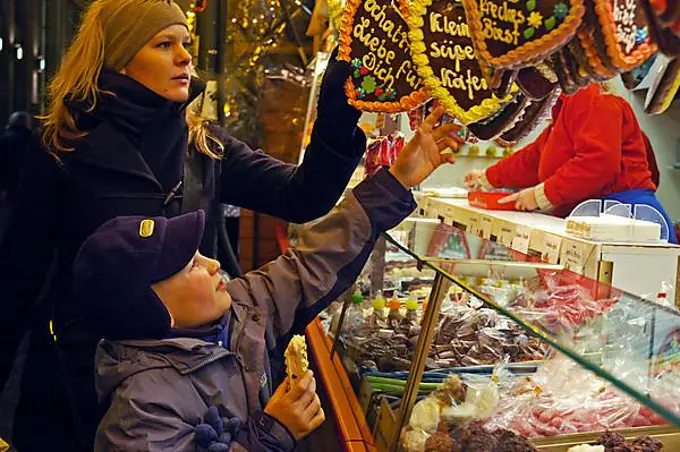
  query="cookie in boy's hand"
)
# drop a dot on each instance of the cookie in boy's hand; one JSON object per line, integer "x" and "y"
{"x": 296, "y": 358}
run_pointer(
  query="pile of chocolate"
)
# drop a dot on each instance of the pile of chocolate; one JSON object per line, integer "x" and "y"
{"x": 473, "y": 437}
{"x": 469, "y": 337}
{"x": 464, "y": 337}
{"x": 613, "y": 442}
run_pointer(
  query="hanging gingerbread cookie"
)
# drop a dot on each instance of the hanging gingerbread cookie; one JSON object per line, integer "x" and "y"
{"x": 374, "y": 40}
{"x": 514, "y": 33}
{"x": 667, "y": 38}
{"x": 442, "y": 49}
{"x": 623, "y": 28}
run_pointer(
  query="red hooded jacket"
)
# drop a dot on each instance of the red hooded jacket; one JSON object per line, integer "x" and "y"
{"x": 594, "y": 147}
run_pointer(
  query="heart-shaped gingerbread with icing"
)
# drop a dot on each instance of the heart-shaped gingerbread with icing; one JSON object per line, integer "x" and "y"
{"x": 374, "y": 40}
{"x": 514, "y": 33}
{"x": 442, "y": 48}
{"x": 624, "y": 29}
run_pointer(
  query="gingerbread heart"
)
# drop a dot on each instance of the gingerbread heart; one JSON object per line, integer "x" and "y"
{"x": 537, "y": 82}
{"x": 441, "y": 47}
{"x": 589, "y": 63}
{"x": 632, "y": 79}
{"x": 534, "y": 113}
{"x": 374, "y": 40}
{"x": 576, "y": 73}
{"x": 665, "y": 86}
{"x": 665, "y": 38}
{"x": 513, "y": 33}
{"x": 623, "y": 29}
{"x": 502, "y": 82}
{"x": 505, "y": 119}
{"x": 592, "y": 49}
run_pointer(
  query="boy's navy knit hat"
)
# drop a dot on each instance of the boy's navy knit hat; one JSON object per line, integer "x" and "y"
{"x": 116, "y": 266}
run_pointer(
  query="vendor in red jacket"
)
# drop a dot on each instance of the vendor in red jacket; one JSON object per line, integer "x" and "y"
{"x": 593, "y": 149}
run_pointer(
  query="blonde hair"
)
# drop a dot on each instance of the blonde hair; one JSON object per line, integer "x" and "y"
{"x": 76, "y": 79}
{"x": 199, "y": 135}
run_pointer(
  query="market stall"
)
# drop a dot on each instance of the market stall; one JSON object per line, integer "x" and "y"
{"x": 472, "y": 320}
{"x": 524, "y": 347}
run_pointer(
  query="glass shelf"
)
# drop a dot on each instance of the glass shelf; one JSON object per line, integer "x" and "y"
{"x": 630, "y": 343}
{"x": 548, "y": 340}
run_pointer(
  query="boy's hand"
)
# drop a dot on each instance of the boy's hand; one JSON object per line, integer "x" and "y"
{"x": 297, "y": 406}
{"x": 427, "y": 150}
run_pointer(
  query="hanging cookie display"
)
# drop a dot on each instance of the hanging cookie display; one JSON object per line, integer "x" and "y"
{"x": 588, "y": 61}
{"x": 623, "y": 30}
{"x": 512, "y": 34}
{"x": 665, "y": 86}
{"x": 494, "y": 126}
{"x": 668, "y": 11}
{"x": 667, "y": 38}
{"x": 442, "y": 49}
{"x": 537, "y": 82}
{"x": 374, "y": 40}
{"x": 632, "y": 79}
{"x": 534, "y": 113}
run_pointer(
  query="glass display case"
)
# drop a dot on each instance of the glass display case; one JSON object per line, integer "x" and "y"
{"x": 447, "y": 333}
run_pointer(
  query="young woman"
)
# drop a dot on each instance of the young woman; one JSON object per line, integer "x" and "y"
{"x": 118, "y": 143}
{"x": 594, "y": 148}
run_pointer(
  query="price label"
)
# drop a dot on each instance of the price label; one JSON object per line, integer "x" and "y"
{"x": 551, "y": 249}
{"x": 574, "y": 255}
{"x": 521, "y": 240}
{"x": 485, "y": 226}
{"x": 473, "y": 225}
{"x": 506, "y": 234}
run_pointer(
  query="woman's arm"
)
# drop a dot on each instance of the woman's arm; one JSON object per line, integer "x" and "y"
{"x": 27, "y": 250}
{"x": 257, "y": 181}
{"x": 300, "y": 194}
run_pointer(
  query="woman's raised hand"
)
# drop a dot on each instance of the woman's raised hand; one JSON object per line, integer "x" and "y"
{"x": 431, "y": 147}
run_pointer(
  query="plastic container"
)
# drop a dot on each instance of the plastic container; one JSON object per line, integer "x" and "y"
{"x": 355, "y": 313}
{"x": 395, "y": 311}
{"x": 412, "y": 311}
{"x": 379, "y": 313}
{"x": 411, "y": 307}
{"x": 489, "y": 200}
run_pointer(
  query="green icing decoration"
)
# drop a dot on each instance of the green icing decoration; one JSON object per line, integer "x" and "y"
{"x": 550, "y": 23}
{"x": 561, "y": 11}
{"x": 369, "y": 85}
{"x": 531, "y": 5}
{"x": 357, "y": 74}
{"x": 529, "y": 32}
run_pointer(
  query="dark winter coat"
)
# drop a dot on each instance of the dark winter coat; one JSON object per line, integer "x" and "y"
{"x": 115, "y": 170}
{"x": 161, "y": 390}
{"x": 14, "y": 145}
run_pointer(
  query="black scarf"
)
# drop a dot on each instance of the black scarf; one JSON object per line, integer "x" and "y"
{"x": 154, "y": 125}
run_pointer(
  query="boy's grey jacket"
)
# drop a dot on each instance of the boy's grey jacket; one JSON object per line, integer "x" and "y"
{"x": 161, "y": 390}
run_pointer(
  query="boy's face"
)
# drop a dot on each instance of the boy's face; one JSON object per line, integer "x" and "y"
{"x": 197, "y": 295}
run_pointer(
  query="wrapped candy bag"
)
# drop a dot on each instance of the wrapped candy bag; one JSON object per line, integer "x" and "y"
{"x": 560, "y": 305}
{"x": 451, "y": 419}
{"x": 564, "y": 398}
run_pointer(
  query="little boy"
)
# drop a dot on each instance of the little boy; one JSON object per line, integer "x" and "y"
{"x": 184, "y": 364}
